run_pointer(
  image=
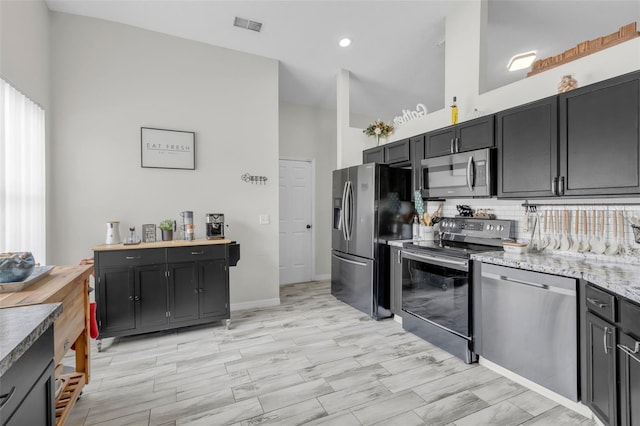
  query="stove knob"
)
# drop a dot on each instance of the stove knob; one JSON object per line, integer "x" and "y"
{"x": 490, "y": 227}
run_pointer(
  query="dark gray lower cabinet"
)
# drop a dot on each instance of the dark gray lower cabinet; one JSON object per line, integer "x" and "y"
{"x": 198, "y": 290}
{"x": 601, "y": 369}
{"x": 395, "y": 269}
{"x": 145, "y": 290}
{"x": 611, "y": 383}
{"x": 27, "y": 388}
{"x": 629, "y": 364}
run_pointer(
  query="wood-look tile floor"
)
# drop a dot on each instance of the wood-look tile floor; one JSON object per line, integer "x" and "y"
{"x": 311, "y": 360}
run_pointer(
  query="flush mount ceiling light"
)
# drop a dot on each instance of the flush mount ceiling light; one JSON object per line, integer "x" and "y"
{"x": 247, "y": 24}
{"x": 345, "y": 42}
{"x": 521, "y": 61}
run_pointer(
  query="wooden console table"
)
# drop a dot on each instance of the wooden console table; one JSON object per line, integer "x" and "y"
{"x": 70, "y": 286}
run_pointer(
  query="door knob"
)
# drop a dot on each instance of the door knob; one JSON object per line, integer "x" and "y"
{"x": 308, "y": 226}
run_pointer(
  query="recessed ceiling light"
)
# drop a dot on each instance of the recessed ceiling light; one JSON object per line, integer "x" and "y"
{"x": 345, "y": 42}
{"x": 521, "y": 61}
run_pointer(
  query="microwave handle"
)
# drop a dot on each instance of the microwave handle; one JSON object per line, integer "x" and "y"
{"x": 470, "y": 174}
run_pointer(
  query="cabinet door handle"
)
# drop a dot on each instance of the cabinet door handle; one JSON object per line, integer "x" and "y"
{"x": 131, "y": 298}
{"x": 7, "y": 396}
{"x": 457, "y": 143}
{"x": 196, "y": 253}
{"x": 554, "y": 186}
{"x": 561, "y": 190}
{"x": 605, "y": 340}
{"x": 597, "y": 303}
{"x": 137, "y": 298}
{"x": 133, "y": 257}
{"x": 627, "y": 350}
{"x": 196, "y": 290}
{"x": 451, "y": 149}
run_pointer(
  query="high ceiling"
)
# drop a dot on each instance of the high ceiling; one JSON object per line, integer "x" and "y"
{"x": 396, "y": 58}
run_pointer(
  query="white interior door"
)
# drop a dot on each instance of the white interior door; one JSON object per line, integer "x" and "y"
{"x": 296, "y": 188}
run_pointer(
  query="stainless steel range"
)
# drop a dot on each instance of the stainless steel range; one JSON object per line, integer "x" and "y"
{"x": 436, "y": 281}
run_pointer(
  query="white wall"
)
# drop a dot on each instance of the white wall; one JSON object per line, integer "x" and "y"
{"x": 308, "y": 133}
{"x": 108, "y": 80}
{"x": 25, "y": 63}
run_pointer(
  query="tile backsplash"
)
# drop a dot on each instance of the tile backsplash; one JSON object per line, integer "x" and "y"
{"x": 514, "y": 210}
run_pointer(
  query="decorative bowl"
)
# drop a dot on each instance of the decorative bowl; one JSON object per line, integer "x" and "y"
{"x": 15, "y": 267}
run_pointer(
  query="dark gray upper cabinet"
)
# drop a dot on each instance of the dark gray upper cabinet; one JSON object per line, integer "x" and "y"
{"x": 373, "y": 155}
{"x": 467, "y": 136}
{"x": 417, "y": 155}
{"x": 398, "y": 152}
{"x": 585, "y": 142}
{"x": 527, "y": 141}
{"x": 600, "y": 137}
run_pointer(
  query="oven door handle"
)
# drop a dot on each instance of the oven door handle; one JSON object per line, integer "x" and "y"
{"x": 461, "y": 264}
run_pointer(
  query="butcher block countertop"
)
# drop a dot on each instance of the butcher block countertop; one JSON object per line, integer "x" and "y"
{"x": 161, "y": 244}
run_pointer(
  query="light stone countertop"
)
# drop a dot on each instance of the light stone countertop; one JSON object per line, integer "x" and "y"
{"x": 621, "y": 278}
{"x": 20, "y": 327}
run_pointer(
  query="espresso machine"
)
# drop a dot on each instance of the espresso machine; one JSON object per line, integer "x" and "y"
{"x": 215, "y": 226}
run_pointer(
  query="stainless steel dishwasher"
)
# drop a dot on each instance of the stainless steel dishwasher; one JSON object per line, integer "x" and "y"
{"x": 526, "y": 322}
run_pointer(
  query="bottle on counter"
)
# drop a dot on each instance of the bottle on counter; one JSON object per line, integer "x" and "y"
{"x": 454, "y": 111}
{"x": 416, "y": 228}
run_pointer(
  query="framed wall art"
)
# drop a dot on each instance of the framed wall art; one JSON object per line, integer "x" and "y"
{"x": 167, "y": 149}
{"x": 149, "y": 233}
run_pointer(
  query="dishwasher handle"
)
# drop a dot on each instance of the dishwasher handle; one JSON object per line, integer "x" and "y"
{"x": 529, "y": 283}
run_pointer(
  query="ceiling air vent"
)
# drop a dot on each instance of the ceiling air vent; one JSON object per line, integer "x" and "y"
{"x": 247, "y": 24}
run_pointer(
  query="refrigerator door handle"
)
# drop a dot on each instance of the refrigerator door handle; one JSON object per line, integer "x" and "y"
{"x": 343, "y": 219}
{"x": 353, "y": 262}
{"x": 349, "y": 210}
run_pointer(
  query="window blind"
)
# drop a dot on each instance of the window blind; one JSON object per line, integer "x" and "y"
{"x": 22, "y": 174}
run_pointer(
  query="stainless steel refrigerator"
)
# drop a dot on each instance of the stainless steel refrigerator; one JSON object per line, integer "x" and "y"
{"x": 369, "y": 208}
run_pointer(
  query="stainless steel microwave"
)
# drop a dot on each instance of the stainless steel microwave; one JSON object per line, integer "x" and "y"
{"x": 462, "y": 175}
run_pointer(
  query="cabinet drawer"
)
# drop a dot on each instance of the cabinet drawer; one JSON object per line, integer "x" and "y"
{"x": 24, "y": 373}
{"x": 601, "y": 303}
{"x": 190, "y": 254}
{"x": 630, "y": 318}
{"x": 131, "y": 257}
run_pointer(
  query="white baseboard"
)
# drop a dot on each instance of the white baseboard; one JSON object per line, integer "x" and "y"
{"x": 578, "y": 407}
{"x": 398, "y": 319}
{"x": 264, "y": 303}
{"x": 322, "y": 277}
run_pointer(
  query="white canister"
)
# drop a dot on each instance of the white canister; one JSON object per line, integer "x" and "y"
{"x": 427, "y": 233}
{"x": 113, "y": 232}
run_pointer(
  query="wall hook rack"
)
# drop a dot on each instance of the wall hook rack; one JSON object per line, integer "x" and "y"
{"x": 531, "y": 207}
{"x": 261, "y": 180}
